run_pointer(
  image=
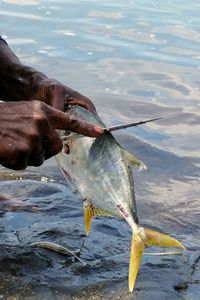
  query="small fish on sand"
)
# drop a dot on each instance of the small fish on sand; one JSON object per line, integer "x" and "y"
{"x": 59, "y": 249}
{"x": 101, "y": 171}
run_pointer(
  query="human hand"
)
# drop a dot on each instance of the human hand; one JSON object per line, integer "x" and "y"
{"x": 28, "y": 135}
{"x": 23, "y": 83}
{"x": 59, "y": 96}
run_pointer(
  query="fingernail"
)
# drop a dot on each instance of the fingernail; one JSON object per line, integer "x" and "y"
{"x": 99, "y": 130}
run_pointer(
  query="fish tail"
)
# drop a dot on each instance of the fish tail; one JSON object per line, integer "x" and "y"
{"x": 137, "y": 247}
{"x": 146, "y": 237}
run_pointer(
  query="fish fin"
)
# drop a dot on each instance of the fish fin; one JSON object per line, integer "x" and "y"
{"x": 100, "y": 212}
{"x": 127, "y": 125}
{"x": 88, "y": 214}
{"x": 89, "y": 211}
{"x": 133, "y": 160}
{"x": 154, "y": 238}
{"x": 137, "y": 247}
{"x": 146, "y": 237}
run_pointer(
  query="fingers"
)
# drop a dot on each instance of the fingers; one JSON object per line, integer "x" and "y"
{"x": 28, "y": 134}
{"x": 57, "y": 95}
{"x": 49, "y": 145}
{"x": 60, "y": 120}
{"x": 52, "y": 144}
{"x": 87, "y": 105}
{"x": 16, "y": 156}
{"x": 36, "y": 159}
{"x": 23, "y": 155}
{"x": 78, "y": 99}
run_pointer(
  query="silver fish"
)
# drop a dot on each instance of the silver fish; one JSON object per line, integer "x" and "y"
{"x": 101, "y": 170}
{"x": 59, "y": 249}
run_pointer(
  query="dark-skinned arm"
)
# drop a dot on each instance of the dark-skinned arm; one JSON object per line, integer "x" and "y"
{"x": 19, "y": 82}
{"x": 33, "y": 111}
{"x": 28, "y": 135}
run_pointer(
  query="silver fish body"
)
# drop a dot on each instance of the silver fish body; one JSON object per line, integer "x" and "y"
{"x": 101, "y": 171}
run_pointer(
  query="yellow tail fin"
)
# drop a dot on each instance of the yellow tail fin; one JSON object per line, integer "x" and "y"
{"x": 146, "y": 237}
{"x": 137, "y": 247}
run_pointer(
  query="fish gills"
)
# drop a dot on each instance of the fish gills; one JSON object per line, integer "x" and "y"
{"x": 146, "y": 237}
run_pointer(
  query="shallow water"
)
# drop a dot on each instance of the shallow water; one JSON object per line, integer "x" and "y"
{"x": 135, "y": 60}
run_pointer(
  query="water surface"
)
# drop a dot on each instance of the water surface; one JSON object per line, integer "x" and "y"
{"x": 135, "y": 60}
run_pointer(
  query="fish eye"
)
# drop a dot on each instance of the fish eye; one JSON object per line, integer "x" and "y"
{"x": 66, "y": 148}
{"x": 67, "y": 132}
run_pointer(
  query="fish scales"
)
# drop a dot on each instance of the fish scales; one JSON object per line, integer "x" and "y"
{"x": 111, "y": 172}
{"x": 101, "y": 170}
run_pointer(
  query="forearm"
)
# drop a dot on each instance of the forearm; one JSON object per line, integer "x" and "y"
{"x": 17, "y": 81}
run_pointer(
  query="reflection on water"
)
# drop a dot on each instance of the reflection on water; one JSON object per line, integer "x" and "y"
{"x": 136, "y": 60}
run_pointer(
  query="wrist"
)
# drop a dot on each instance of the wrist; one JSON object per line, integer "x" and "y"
{"x": 17, "y": 81}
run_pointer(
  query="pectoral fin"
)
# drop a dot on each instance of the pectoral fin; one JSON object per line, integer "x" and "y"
{"x": 133, "y": 160}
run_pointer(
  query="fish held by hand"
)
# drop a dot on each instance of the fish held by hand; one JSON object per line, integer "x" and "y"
{"x": 101, "y": 170}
